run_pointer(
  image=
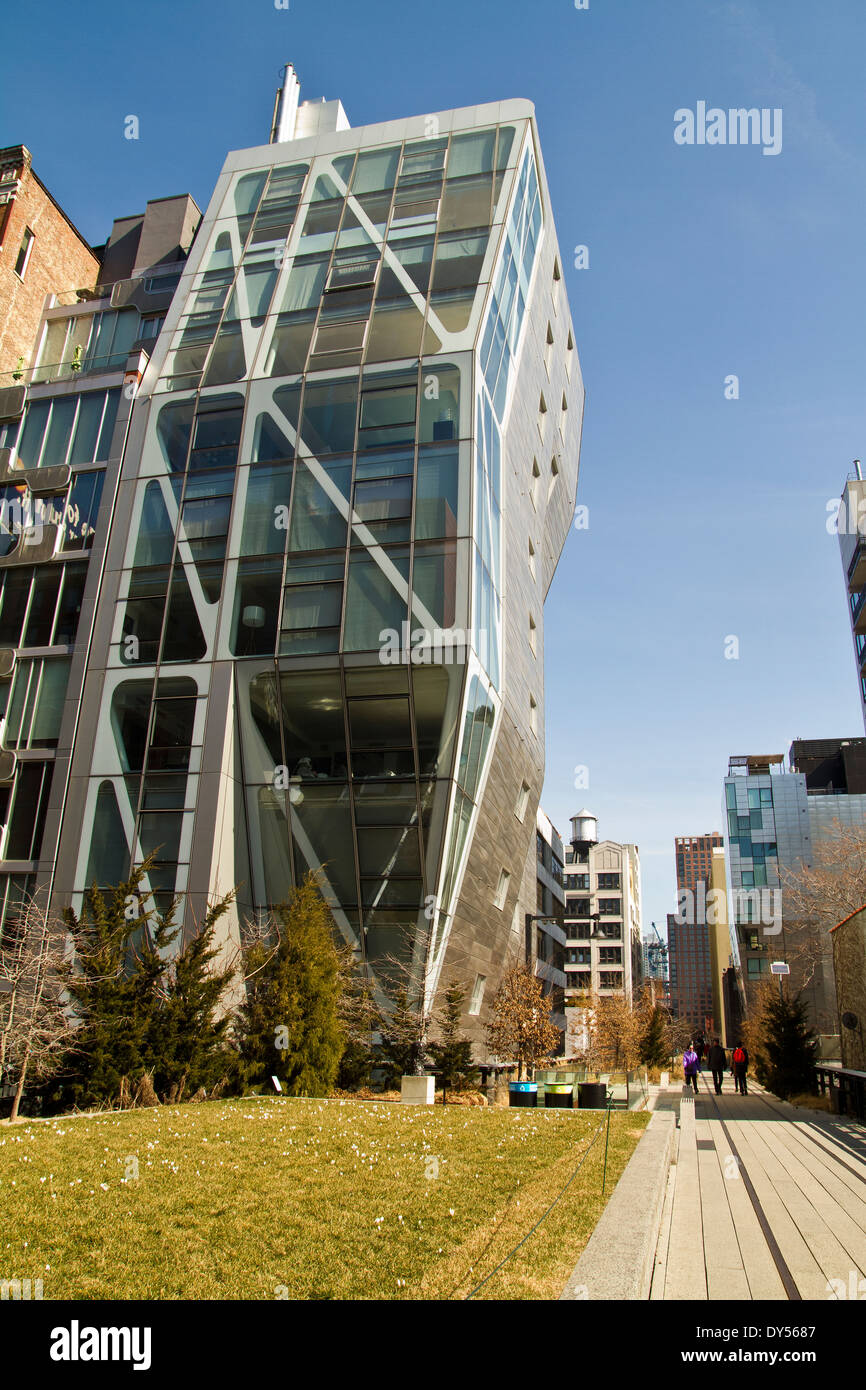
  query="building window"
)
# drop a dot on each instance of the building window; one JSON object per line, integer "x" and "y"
{"x": 609, "y": 979}
{"x": 542, "y": 415}
{"x": 502, "y": 889}
{"x": 608, "y": 880}
{"x": 532, "y": 559}
{"x": 533, "y": 715}
{"x": 569, "y": 353}
{"x": 610, "y": 907}
{"x": 532, "y": 636}
{"x": 477, "y": 994}
{"x": 24, "y": 252}
{"x": 522, "y": 801}
{"x": 536, "y": 483}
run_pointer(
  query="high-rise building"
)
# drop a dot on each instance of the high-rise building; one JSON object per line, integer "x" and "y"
{"x": 346, "y": 480}
{"x": 689, "y": 945}
{"x": 602, "y": 913}
{"x": 40, "y": 252}
{"x": 694, "y": 855}
{"x": 727, "y": 1013}
{"x": 851, "y": 529}
{"x": 690, "y": 969}
{"x": 777, "y": 819}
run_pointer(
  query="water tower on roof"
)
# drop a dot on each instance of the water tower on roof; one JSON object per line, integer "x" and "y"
{"x": 584, "y": 829}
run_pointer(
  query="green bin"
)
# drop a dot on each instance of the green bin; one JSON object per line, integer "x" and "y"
{"x": 559, "y": 1095}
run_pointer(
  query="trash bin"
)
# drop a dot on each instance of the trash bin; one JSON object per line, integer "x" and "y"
{"x": 591, "y": 1095}
{"x": 523, "y": 1093}
{"x": 559, "y": 1095}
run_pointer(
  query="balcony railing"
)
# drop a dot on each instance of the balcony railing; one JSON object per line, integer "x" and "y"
{"x": 48, "y": 373}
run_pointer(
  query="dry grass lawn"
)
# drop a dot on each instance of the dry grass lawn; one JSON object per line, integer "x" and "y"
{"x": 303, "y": 1199}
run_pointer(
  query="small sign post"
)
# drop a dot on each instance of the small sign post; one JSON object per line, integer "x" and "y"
{"x": 780, "y": 968}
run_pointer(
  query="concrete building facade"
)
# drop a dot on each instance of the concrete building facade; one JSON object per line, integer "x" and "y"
{"x": 544, "y": 919}
{"x": 602, "y": 914}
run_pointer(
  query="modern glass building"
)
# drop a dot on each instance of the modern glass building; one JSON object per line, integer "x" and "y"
{"x": 347, "y": 476}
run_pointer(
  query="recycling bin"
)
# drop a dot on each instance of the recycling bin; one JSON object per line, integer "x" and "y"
{"x": 559, "y": 1095}
{"x": 523, "y": 1093}
{"x": 591, "y": 1095}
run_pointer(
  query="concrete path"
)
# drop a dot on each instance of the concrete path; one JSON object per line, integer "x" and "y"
{"x": 763, "y": 1200}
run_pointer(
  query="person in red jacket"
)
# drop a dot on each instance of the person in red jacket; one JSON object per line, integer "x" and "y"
{"x": 739, "y": 1068}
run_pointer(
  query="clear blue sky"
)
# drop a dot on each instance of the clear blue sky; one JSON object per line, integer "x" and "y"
{"x": 707, "y": 516}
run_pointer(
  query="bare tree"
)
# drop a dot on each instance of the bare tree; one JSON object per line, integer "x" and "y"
{"x": 612, "y": 1029}
{"x": 815, "y": 899}
{"x": 34, "y": 1028}
{"x": 520, "y": 1027}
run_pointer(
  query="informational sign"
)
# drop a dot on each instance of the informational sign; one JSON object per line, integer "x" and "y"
{"x": 780, "y": 967}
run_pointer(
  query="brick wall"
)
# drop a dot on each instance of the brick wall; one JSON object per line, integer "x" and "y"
{"x": 59, "y": 260}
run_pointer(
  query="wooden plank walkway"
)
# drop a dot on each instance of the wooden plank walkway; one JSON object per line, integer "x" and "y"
{"x": 764, "y": 1201}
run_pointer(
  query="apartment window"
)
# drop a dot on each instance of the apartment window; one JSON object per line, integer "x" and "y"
{"x": 569, "y": 353}
{"x": 609, "y": 979}
{"x": 533, "y": 715}
{"x": 610, "y": 907}
{"x": 502, "y": 889}
{"x": 542, "y": 415}
{"x": 24, "y": 253}
{"x": 577, "y": 907}
{"x": 149, "y": 327}
{"x": 610, "y": 955}
{"x": 533, "y": 633}
{"x": 28, "y": 811}
{"x": 522, "y": 801}
{"x": 608, "y": 880}
{"x": 477, "y": 994}
{"x": 532, "y": 560}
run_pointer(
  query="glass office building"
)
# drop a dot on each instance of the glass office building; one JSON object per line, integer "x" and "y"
{"x": 348, "y": 474}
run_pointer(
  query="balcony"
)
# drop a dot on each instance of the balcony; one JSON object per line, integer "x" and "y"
{"x": 858, "y": 612}
{"x": 857, "y": 568}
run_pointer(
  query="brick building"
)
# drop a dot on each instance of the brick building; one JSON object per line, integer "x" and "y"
{"x": 41, "y": 252}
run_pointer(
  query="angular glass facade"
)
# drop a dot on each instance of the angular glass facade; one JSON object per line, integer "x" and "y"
{"x": 304, "y": 659}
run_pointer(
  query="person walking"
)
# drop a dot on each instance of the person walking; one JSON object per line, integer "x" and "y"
{"x": 739, "y": 1067}
{"x": 690, "y": 1067}
{"x": 718, "y": 1061}
{"x": 699, "y": 1049}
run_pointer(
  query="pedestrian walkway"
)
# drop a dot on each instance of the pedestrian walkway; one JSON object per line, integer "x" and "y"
{"x": 763, "y": 1201}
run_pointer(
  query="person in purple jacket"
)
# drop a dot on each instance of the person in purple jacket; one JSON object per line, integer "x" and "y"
{"x": 690, "y": 1067}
